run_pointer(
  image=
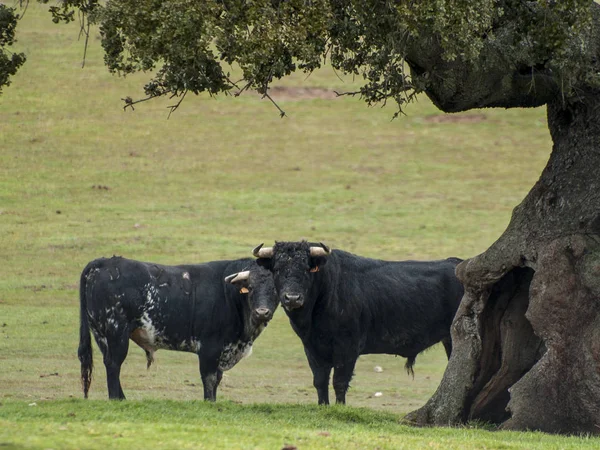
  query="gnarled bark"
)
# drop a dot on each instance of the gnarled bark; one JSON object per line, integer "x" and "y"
{"x": 526, "y": 347}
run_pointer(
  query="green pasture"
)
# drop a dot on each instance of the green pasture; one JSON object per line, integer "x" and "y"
{"x": 167, "y": 424}
{"x": 80, "y": 178}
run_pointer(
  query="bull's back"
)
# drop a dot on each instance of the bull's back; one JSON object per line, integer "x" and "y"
{"x": 130, "y": 282}
{"x": 397, "y": 284}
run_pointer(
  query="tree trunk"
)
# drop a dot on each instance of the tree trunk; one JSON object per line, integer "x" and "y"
{"x": 526, "y": 338}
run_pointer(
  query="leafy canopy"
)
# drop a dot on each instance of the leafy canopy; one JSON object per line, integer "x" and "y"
{"x": 190, "y": 44}
{"x": 9, "y": 61}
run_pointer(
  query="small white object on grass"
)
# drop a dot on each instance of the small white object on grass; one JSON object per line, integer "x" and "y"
{"x": 378, "y": 394}
{"x": 378, "y": 369}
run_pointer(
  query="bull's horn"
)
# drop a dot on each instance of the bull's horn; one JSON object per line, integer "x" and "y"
{"x": 260, "y": 252}
{"x": 323, "y": 250}
{"x": 235, "y": 277}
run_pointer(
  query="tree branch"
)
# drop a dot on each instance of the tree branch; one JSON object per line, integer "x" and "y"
{"x": 281, "y": 111}
{"x": 173, "y": 108}
{"x": 129, "y": 102}
{"x": 84, "y": 30}
{"x": 341, "y": 94}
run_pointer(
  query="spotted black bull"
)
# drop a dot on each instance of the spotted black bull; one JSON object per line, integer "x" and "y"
{"x": 342, "y": 306}
{"x": 215, "y": 310}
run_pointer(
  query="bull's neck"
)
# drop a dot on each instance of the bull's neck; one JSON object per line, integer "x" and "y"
{"x": 243, "y": 315}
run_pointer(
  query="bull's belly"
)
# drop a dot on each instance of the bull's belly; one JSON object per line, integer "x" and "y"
{"x": 387, "y": 347}
{"x": 151, "y": 340}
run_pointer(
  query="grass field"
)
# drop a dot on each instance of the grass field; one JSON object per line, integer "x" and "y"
{"x": 80, "y": 178}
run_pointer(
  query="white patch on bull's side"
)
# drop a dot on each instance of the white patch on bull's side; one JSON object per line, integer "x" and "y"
{"x": 149, "y": 328}
{"x": 151, "y": 296}
{"x": 154, "y": 336}
{"x": 233, "y": 353}
{"x": 186, "y": 275}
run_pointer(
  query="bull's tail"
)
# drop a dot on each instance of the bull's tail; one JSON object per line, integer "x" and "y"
{"x": 85, "y": 341}
{"x": 410, "y": 362}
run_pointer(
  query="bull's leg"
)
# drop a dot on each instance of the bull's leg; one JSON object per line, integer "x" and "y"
{"x": 321, "y": 372}
{"x": 448, "y": 346}
{"x": 114, "y": 349}
{"x": 321, "y": 384}
{"x": 209, "y": 372}
{"x": 219, "y": 378}
{"x": 341, "y": 380}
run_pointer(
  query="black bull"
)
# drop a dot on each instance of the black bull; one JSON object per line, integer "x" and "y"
{"x": 190, "y": 308}
{"x": 342, "y": 306}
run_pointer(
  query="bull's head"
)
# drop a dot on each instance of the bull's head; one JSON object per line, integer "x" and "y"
{"x": 293, "y": 265}
{"x": 257, "y": 284}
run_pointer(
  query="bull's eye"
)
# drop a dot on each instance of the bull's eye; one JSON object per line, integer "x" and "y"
{"x": 314, "y": 269}
{"x": 244, "y": 290}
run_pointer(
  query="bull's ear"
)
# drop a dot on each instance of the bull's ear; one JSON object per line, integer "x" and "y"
{"x": 239, "y": 279}
{"x": 317, "y": 263}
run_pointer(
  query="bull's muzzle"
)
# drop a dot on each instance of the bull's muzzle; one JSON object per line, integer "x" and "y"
{"x": 292, "y": 301}
{"x": 262, "y": 315}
